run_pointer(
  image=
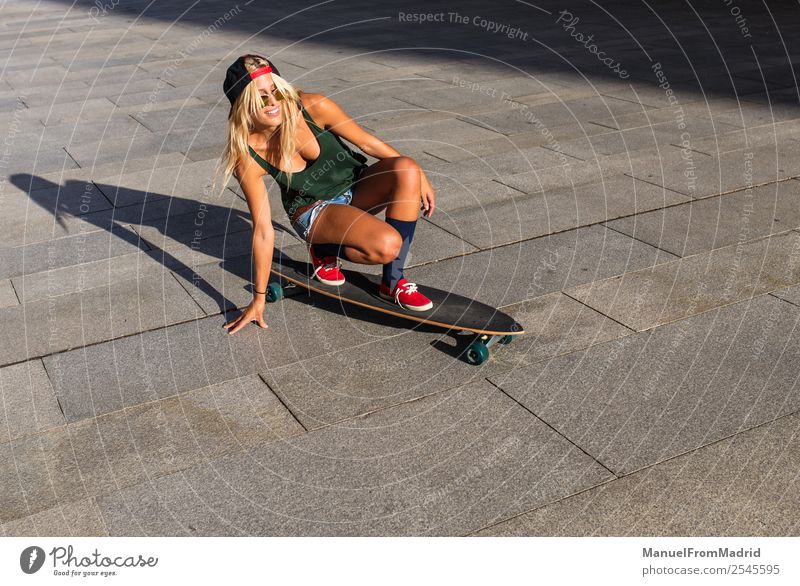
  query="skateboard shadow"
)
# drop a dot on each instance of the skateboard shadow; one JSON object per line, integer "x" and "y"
{"x": 316, "y": 301}
{"x": 367, "y": 293}
{"x": 145, "y": 220}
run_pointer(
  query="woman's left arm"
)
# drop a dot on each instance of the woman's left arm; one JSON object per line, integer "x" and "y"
{"x": 337, "y": 121}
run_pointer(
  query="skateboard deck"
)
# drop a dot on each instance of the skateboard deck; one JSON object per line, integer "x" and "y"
{"x": 450, "y": 310}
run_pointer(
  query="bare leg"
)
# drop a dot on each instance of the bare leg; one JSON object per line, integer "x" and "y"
{"x": 365, "y": 239}
{"x": 391, "y": 184}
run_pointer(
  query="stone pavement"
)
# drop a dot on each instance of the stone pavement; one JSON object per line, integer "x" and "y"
{"x": 621, "y": 177}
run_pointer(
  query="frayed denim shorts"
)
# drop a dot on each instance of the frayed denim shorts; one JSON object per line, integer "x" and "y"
{"x": 302, "y": 225}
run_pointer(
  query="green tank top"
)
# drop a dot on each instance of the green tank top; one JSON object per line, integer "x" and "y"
{"x": 335, "y": 170}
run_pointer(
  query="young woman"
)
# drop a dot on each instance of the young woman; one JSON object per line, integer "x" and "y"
{"x": 329, "y": 193}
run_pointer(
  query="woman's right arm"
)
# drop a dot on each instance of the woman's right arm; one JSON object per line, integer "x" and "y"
{"x": 251, "y": 180}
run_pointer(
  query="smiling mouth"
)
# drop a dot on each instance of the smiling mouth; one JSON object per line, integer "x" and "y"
{"x": 273, "y": 111}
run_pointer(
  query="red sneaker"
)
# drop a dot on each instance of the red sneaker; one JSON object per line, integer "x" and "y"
{"x": 326, "y": 269}
{"x": 405, "y": 294}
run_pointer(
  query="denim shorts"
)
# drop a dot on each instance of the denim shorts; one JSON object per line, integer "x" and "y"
{"x": 303, "y": 223}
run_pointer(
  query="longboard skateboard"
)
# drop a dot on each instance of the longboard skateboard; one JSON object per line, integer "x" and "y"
{"x": 450, "y": 311}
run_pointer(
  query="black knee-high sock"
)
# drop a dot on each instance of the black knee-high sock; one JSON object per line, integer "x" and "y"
{"x": 323, "y": 250}
{"x": 393, "y": 271}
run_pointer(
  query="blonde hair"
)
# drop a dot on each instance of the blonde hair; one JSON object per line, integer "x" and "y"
{"x": 244, "y": 109}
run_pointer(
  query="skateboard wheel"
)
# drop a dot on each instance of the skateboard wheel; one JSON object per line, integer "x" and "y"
{"x": 477, "y": 353}
{"x": 506, "y": 339}
{"x": 274, "y": 292}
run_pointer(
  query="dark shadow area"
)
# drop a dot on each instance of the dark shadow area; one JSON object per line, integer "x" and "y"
{"x": 166, "y": 216}
{"x": 716, "y": 49}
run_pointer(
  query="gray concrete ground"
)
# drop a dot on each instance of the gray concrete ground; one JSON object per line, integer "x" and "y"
{"x": 622, "y": 177}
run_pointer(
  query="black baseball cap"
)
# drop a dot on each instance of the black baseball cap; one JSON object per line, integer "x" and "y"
{"x": 238, "y": 76}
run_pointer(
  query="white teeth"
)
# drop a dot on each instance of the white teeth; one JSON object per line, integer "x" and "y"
{"x": 275, "y": 111}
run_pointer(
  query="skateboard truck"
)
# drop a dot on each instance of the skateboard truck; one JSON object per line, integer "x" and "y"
{"x": 478, "y": 351}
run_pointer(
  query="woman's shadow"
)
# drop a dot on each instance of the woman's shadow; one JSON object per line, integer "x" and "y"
{"x": 145, "y": 219}
{"x": 148, "y": 220}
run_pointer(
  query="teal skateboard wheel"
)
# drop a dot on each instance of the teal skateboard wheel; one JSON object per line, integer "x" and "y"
{"x": 477, "y": 353}
{"x": 274, "y": 292}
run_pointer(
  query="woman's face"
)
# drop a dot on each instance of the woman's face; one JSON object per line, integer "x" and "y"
{"x": 269, "y": 116}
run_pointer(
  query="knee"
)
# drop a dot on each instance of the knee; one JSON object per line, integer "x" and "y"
{"x": 407, "y": 170}
{"x": 389, "y": 246}
{"x": 405, "y": 163}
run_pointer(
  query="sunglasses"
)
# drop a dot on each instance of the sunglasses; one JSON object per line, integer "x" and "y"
{"x": 279, "y": 96}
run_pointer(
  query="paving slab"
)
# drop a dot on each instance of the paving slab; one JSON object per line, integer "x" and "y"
{"x": 89, "y": 275}
{"x": 49, "y": 214}
{"x": 513, "y": 273}
{"x": 768, "y": 135}
{"x": 219, "y": 286}
{"x": 70, "y": 197}
{"x": 186, "y": 220}
{"x": 455, "y": 153}
{"x": 190, "y": 180}
{"x": 61, "y": 322}
{"x": 181, "y": 117}
{"x": 438, "y": 466}
{"x": 68, "y": 251}
{"x": 179, "y": 256}
{"x": 726, "y": 489}
{"x": 650, "y": 94}
{"x": 454, "y": 99}
{"x": 29, "y": 403}
{"x": 120, "y": 449}
{"x": 410, "y": 362}
{"x": 26, "y": 164}
{"x": 671, "y": 291}
{"x": 646, "y": 398}
{"x": 141, "y": 145}
{"x": 790, "y": 294}
{"x": 89, "y": 110}
{"x": 8, "y": 296}
{"x": 107, "y": 172}
{"x": 757, "y": 114}
{"x": 519, "y": 116}
{"x": 192, "y": 140}
{"x": 522, "y": 216}
{"x": 40, "y": 76}
{"x": 702, "y": 176}
{"x": 676, "y": 115}
{"x": 125, "y": 72}
{"x": 200, "y": 352}
{"x": 454, "y": 131}
{"x": 195, "y": 97}
{"x": 495, "y": 166}
{"x": 475, "y": 71}
{"x": 715, "y": 222}
{"x": 11, "y": 103}
{"x": 407, "y": 115}
{"x": 634, "y": 139}
{"x": 117, "y": 126}
{"x": 86, "y": 91}
{"x": 451, "y": 195}
{"x": 578, "y": 110}
{"x": 556, "y": 324}
{"x": 78, "y": 519}
{"x": 569, "y": 173}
